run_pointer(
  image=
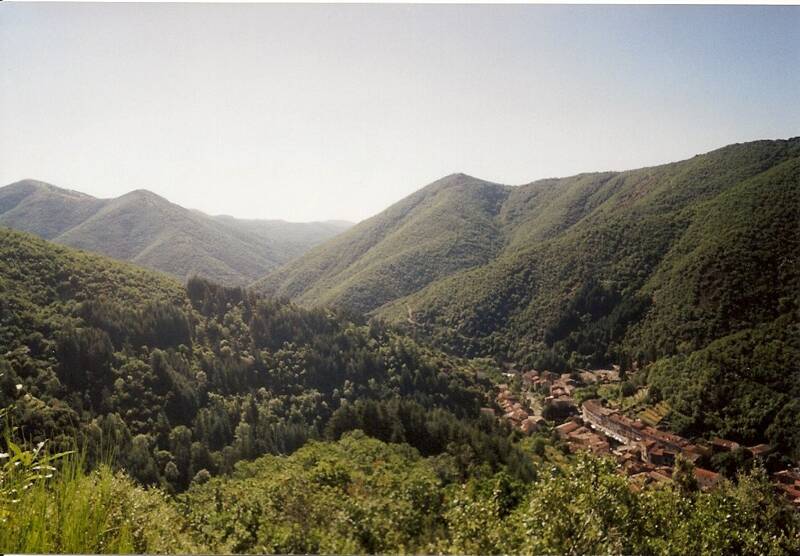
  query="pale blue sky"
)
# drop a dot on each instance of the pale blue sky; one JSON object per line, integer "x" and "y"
{"x": 308, "y": 112}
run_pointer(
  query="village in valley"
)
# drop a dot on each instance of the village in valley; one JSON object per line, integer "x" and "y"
{"x": 619, "y": 424}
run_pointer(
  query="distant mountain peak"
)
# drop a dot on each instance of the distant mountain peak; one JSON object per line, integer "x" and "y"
{"x": 31, "y": 183}
{"x": 459, "y": 178}
{"x": 37, "y": 185}
{"x": 144, "y": 194}
{"x": 146, "y": 228}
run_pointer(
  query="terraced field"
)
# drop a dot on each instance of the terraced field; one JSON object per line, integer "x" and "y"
{"x": 653, "y": 415}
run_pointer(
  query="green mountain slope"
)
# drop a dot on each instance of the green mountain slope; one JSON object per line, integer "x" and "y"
{"x": 178, "y": 379}
{"x": 447, "y": 226}
{"x": 572, "y": 264}
{"x": 651, "y": 259}
{"x": 146, "y": 229}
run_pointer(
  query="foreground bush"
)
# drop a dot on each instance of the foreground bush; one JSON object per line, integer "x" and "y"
{"x": 360, "y": 495}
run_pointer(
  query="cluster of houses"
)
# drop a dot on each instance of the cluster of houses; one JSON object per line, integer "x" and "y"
{"x": 515, "y": 412}
{"x": 645, "y": 453}
{"x": 788, "y": 484}
{"x": 556, "y": 388}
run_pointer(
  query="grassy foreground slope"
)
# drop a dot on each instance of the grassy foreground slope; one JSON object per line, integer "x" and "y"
{"x": 363, "y": 496}
{"x": 149, "y": 230}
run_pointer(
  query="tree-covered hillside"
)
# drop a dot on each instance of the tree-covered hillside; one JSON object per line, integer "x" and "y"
{"x": 571, "y": 265}
{"x": 631, "y": 268}
{"x": 149, "y": 230}
{"x": 186, "y": 380}
{"x": 617, "y": 267}
{"x": 445, "y": 227}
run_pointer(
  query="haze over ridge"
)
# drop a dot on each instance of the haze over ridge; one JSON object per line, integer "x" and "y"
{"x": 145, "y": 228}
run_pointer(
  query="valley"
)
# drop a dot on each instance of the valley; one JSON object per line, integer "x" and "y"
{"x": 451, "y": 375}
{"x": 399, "y": 278}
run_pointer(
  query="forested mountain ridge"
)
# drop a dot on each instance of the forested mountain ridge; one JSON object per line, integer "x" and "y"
{"x": 445, "y": 227}
{"x": 538, "y": 254}
{"x": 184, "y": 379}
{"x": 713, "y": 212}
{"x": 146, "y": 229}
{"x": 693, "y": 264}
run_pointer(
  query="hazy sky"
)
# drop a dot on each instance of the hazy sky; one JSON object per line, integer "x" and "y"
{"x": 310, "y": 112}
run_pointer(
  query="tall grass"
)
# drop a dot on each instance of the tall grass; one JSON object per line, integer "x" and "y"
{"x": 52, "y": 504}
{"x": 71, "y": 512}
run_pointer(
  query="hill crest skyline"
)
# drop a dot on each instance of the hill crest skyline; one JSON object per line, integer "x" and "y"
{"x": 333, "y": 219}
{"x": 143, "y": 227}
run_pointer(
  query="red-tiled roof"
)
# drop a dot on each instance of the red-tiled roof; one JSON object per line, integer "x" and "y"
{"x": 705, "y": 474}
{"x": 760, "y": 449}
{"x": 723, "y": 443}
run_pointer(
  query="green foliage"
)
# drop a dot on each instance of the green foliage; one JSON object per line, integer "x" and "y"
{"x": 589, "y": 510}
{"x": 21, "y": 469}
{"x": 476, "y": 447}
{"x": 355, "y": 496}
{"x": 477, "y": 515}
{"x": 177, "y": 380}
{"x": 359, "y": 495}
{"x": 98, "y": 512}
{"x": 49, "y": 503}
{"x": 741, "y": 387}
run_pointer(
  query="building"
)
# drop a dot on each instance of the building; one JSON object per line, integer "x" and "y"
{"x": 565, "y": 428}
{"x": 760, "y": 450}
{"x": 706, "y": 479}
{"x": 658, "y": 455}
{"x": 531, "y": 424}
{"x": 722, "y": 445}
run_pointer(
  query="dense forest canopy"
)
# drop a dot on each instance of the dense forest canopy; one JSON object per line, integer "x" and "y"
{"x": 677, "y": 263}
{"x": 180, "y": 380}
